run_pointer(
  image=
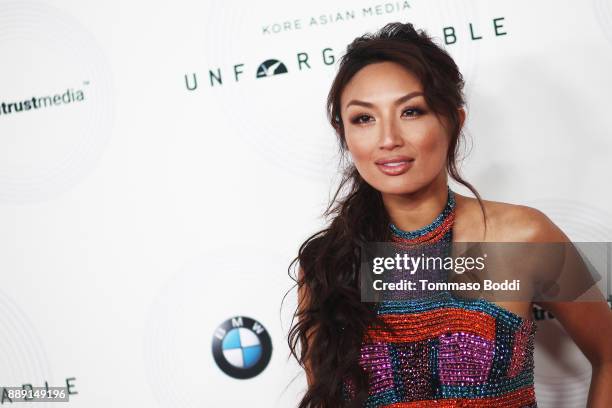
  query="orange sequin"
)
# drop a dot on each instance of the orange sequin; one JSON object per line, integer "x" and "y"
{"x": 431, "y": 324}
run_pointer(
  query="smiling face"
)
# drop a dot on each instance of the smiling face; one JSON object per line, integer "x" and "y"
{"x": 398, "y": 144}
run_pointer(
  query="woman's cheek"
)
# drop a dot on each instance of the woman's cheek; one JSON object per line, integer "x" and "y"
{"x": 362, "y": 163}
{"x": 433, "y": 146}
{"x": 360, "y": 149}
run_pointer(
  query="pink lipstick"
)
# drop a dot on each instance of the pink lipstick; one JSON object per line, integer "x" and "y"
{"x": 394, "y": 165}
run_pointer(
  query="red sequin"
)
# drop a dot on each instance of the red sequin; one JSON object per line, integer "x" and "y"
{"x": 431, "y": 324}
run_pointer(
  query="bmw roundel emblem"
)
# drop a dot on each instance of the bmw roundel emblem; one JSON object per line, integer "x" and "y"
{"x": 241, "y": 347}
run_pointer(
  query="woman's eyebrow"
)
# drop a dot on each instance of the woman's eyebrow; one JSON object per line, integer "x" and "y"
{"x": 397, "y": 102}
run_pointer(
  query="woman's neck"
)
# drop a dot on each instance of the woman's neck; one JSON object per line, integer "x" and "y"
{"x": 415, "y": 210}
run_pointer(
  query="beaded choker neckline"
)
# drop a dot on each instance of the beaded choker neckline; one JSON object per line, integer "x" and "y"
{"x": 438, "y": 229}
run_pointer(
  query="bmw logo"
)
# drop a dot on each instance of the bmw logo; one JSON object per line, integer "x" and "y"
{"x": 241, "y": 347}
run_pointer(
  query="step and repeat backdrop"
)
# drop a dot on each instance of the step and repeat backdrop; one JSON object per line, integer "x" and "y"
{"x": 161, "y": 162}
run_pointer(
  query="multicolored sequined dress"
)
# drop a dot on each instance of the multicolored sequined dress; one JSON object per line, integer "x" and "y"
{"x": 447, "y": 351}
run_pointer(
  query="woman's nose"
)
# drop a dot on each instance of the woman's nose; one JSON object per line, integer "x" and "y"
{"x": 390, "y": 136}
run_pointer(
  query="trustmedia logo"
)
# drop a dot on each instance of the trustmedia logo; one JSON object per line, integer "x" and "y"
{"x": 40, "y": 102}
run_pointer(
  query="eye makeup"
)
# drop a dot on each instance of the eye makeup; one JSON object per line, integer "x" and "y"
{"x": 357, "y": 119}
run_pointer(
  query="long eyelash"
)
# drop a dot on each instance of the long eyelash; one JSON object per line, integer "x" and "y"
{"x": 355, "y": 120}
{"x": 417, "y": 110}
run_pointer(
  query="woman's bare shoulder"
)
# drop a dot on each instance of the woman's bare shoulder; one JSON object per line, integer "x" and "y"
{"x": 507, "y": 222}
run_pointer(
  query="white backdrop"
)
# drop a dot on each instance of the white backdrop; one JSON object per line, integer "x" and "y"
{"x": 139, "y": 216}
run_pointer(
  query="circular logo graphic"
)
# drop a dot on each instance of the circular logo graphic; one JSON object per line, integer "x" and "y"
{"x": 271, "y": 67}
{"x": 241, "y": 347}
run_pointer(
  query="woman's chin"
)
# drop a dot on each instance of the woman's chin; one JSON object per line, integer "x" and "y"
{"x": 396, "y": 188}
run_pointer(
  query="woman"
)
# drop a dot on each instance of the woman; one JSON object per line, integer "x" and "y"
{"x": 396, "y": 104}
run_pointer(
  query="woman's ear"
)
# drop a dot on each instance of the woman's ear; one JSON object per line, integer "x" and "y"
{"x": 462, "y": 116}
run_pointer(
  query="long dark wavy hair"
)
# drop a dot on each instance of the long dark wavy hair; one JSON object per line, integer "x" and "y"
{"x": 328, "y": 326}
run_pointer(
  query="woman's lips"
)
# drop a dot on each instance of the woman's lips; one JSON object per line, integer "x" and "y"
{"x": 395, "y": 166}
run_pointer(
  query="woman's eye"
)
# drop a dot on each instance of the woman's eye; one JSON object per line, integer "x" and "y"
{"x": 413, "y": 111}
{"x": 364, "y": 118}
{"x": 358, "y": 119}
